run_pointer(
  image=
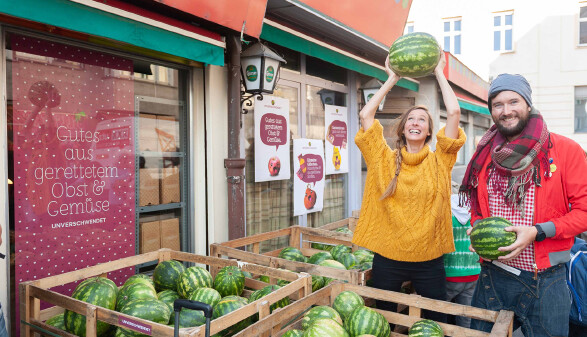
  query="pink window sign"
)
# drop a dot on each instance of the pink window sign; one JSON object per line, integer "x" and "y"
{"x": 74, "y": 160}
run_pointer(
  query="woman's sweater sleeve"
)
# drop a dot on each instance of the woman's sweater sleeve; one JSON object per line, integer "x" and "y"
{"x": 447, "y": 148}
{"x": 371, "y": 142}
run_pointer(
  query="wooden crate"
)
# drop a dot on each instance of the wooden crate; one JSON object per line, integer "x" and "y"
{"x": 299, "y": 237}
{"x": 349, "y": 223}
{"x": 289, "y": 317}
{"x": 33, "y": 292}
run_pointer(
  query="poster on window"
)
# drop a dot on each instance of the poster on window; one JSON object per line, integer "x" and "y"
{"x": 272, "y": 139}
{"x": 74, "y": 161}
{"x": 336, "y": 152}
{"x": 308, "y": 164}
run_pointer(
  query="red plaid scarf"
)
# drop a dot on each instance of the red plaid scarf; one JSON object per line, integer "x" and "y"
{"x": 520, "y": 160}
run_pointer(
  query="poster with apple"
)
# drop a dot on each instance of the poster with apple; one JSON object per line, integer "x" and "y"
{"x": 272, "y": 139}
{"x": 308, "y": 165}
{"x": 336, "y": 136}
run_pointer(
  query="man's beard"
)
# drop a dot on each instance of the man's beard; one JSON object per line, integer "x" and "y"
{"x": 515, "y": 130}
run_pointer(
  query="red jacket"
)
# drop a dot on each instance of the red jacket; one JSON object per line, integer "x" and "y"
{"x": 561, "y": 199}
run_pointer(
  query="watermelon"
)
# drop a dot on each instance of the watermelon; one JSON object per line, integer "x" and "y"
{"x": 229, "y": 281}
{"x": 364, "y": 320}
{"x": 331, "y": 264}
{"x": 146, "y": 308}
{"x": 363, "y": 255}
{"x": 365, "y": 266}
{"x": 319, "y": 257}
{"x": 166, "y": 275}
{"x": 338, "y": 250}
{"x": 344, "y": 230}
{"x": 206, "y": 295}
{"x": 98, "y": 291}
{"x": 317, "y": 282}
{"x": 134, "y": 291}
{"x": 322, "y": 246}
{"x": 489, "y": 234}
{"x": 425, "y": 328}
{"x": 57, "y": 321}
{"x": 264, "y": 278}
{"x": 320, "y": 311}
{"x": 348, "y": 260}
{"x": 292, "y": 254}
{"x": 227, "y": 305}
{"x": 293, "y": 333}
{"x": 139, "y": 278}
{"x": 346, "y": 302}
{"x": 283, "y": 283}
{"x": 325, "y": 327}
{"x": 266, "y": 291}
{"x": 168, "y": 297}
{"x": 193, "y": 278}
{"x": 414, "y": 55}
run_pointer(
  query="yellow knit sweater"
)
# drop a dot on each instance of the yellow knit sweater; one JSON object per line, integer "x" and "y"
{"x": 414, "y": 224}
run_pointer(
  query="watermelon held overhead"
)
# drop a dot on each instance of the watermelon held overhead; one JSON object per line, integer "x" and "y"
{"x": 414, "y": 55}
{"x": 489, "y": 234}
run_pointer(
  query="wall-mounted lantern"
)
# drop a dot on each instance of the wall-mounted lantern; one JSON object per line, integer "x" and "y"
{"x": 369, "y": 89}
{"x": 260, "y": 70}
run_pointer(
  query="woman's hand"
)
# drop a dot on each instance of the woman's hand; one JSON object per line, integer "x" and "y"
{"x": 439, "y": 70}
{"x": 367, "y": 114}
{"x": 391, "y": 75}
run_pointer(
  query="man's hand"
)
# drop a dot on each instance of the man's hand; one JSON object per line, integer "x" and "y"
{"x": 525, "y": 236}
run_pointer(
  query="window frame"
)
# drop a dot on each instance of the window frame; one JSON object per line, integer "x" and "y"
{"x": 409, "y": 28}
{"x": 581, "y": 21}
{"x": 452, "y": 35}
{"x": 502, "y": 29}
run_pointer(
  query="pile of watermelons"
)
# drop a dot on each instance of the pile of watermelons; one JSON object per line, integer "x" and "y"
{"x": 349, "y": 317}
{"x": 152, "y": 298}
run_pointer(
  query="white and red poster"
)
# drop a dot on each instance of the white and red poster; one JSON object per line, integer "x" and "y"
{"x": 336, "y": 151}
{"x": 308, "y": 165}
{"x": 74, "y": 160}
{"x": 272, "y": 139}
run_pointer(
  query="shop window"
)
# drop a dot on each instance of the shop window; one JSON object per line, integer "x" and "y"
{"x": 503, "y": 23}
{"x": 325, "y": 70}
{"x": 269, "y": 204}
{"x": 97, "y": 154}
{"x": 580, "y": 109}
{"x": 292, "y": 58}
{"x": 334, "y": 184}
{"x": 583, "y": 25}
{"x": 409, "y": 28}
{"x": 452, "y": 35}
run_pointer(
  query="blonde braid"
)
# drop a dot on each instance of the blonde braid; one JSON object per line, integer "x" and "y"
{"x": 390, "y": 190}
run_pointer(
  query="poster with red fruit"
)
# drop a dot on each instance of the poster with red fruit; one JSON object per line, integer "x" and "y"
{"x": 308, "y": 166}
{"x": 272, "y": 139}
{"x": 336, "y": 152}
{"x": 74, "y": 159}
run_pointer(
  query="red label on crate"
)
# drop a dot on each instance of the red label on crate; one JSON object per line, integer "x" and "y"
{"x": 135, "y": 325}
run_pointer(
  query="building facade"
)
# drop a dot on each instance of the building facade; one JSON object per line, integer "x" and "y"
{"x": 547, "y": 44}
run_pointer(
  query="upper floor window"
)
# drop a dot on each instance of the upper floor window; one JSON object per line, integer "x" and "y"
{"x": 583, "y": 25}
{"x": 581, "y": 109}
{"x": 452, "y": 35}
{"x": 409, "y": 27}
{"x": 503, "y": 31}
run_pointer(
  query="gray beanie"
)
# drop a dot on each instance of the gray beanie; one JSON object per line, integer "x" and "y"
{"x": 509, "y": 82}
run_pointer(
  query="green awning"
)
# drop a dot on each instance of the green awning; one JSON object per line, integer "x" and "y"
{"x": 77, "y": 17}
{"x": 297, "y": 43}
{"x": 474, "y": 107}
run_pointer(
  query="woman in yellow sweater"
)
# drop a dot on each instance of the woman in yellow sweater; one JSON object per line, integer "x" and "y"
{"x": 405, "y": 215}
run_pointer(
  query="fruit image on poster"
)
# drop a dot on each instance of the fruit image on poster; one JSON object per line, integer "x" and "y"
{"x": 336, "y": 134}
{"x": 272, "y": 139}
{"x": 308, "y": 166}
{"x": 74, "y": 160}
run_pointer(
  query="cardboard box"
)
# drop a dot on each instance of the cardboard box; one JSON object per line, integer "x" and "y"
{"x": 168, "y": 133}
{"x": 170, "y": 234}
{"x": 148, "y": 140}
{"x": 149, "y": 186}
{"x": 149, "y": 236}
{"x": 170, "y": 190}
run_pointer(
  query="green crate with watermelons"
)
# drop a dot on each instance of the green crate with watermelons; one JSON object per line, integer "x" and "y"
{"x": 297, "y": 250}
{"x": 143, "y": 304}
{"x": 341, "y": 310}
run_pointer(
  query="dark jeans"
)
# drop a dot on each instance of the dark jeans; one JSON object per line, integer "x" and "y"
{"x": 541, "y": 306}
{"x": 428, "y": 279}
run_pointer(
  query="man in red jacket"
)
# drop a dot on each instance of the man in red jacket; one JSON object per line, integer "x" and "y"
{"x": 536, "y": 180}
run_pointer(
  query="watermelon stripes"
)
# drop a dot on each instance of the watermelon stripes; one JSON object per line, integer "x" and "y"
{"x": 414, "y": 55}
{"x": 489, "y": 234}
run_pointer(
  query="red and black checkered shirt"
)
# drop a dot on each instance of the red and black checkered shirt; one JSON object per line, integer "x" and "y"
{"x": 498, "y": 207}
